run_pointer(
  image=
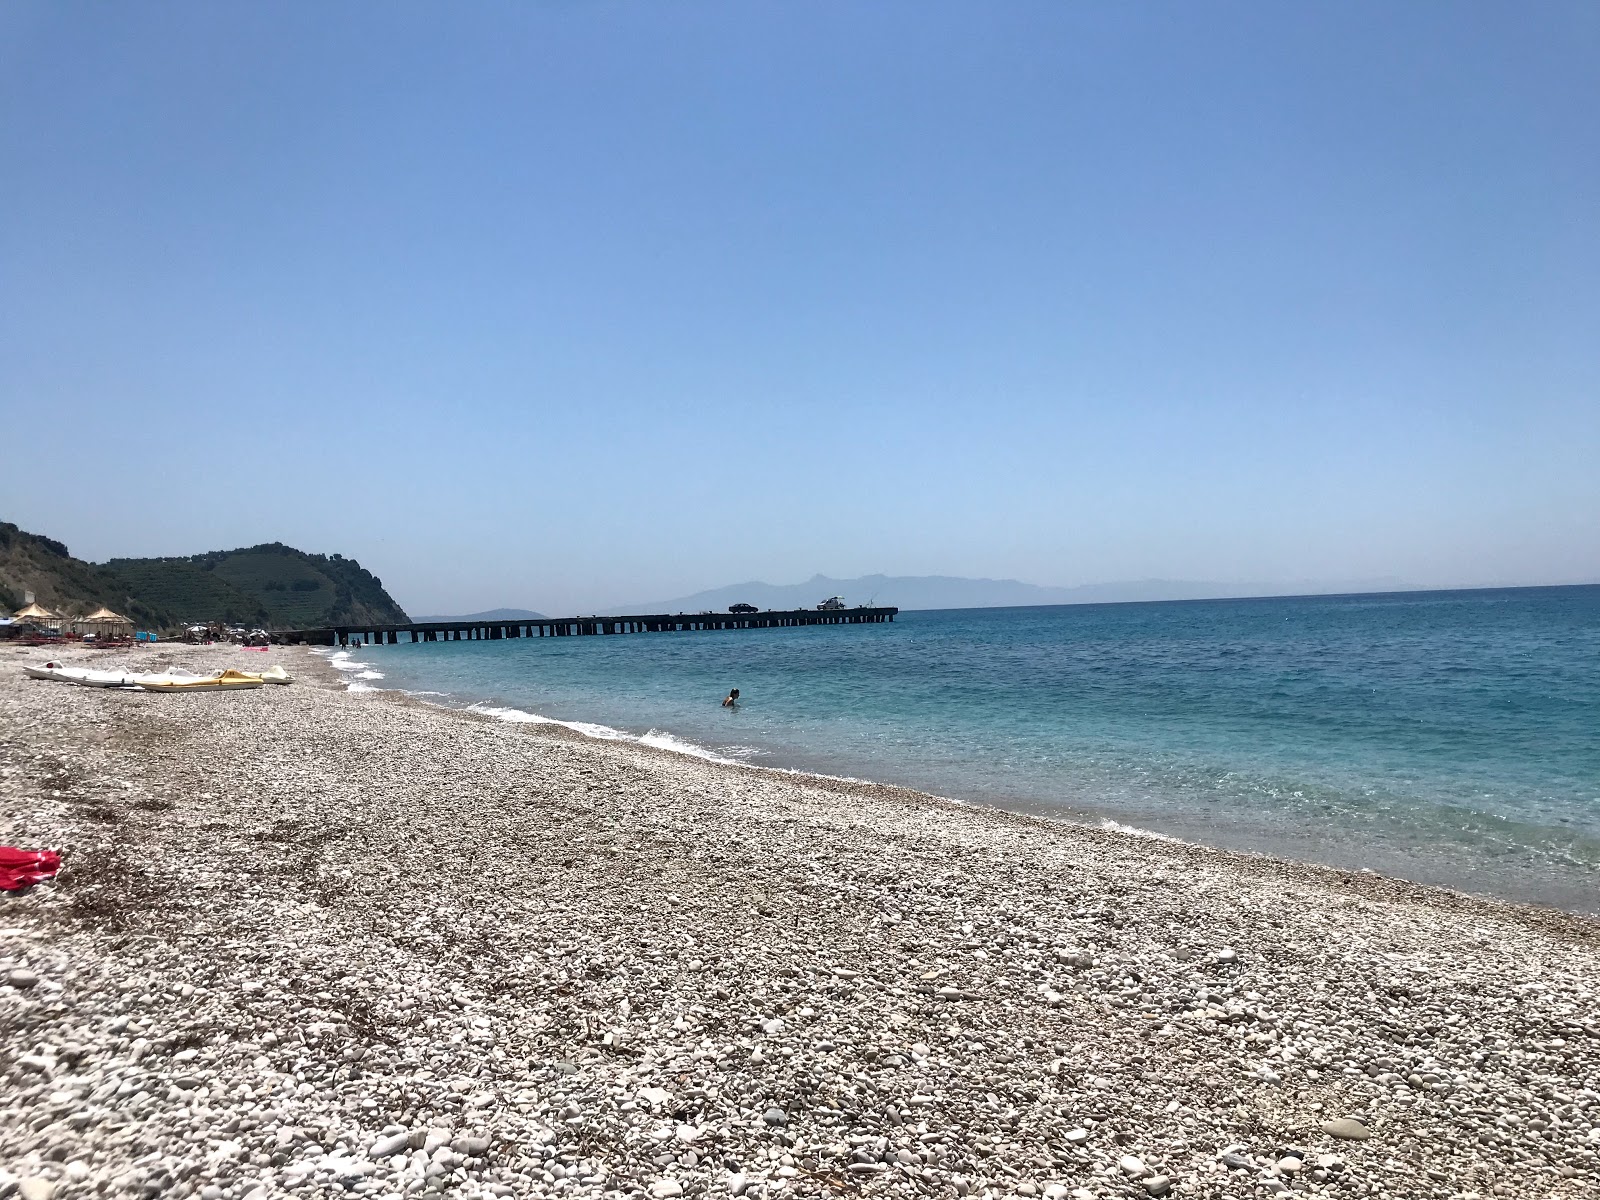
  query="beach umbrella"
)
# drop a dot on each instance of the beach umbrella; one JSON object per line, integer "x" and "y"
{"x": 33, "y": 613}
{"x": 104, "y": 622}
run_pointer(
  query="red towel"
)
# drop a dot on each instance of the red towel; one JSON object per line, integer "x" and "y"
{"x": 23, "y": 868}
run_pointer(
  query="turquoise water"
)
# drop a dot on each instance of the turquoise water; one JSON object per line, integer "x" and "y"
{"x": 1449, "y": 737}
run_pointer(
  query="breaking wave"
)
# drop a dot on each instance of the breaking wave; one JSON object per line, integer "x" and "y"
{"x": 658, "y": 738}
{"x": 340, "y": 660}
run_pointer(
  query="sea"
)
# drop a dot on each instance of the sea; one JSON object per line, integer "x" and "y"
{"x": 1439, "y": 737}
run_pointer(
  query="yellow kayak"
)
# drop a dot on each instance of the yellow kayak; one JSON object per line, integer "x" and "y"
{"x": 223, "y": 681}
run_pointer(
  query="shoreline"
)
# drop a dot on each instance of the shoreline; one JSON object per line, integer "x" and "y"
{"x": 1039, "y": 810}
{"x": 304, "y": 937}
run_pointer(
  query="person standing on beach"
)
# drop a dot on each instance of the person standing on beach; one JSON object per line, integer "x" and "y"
{"x": 732, "y": 699}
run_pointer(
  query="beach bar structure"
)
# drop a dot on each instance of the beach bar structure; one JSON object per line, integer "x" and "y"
{"x": 458, "y": 631}
{"x": 104, "y": 625}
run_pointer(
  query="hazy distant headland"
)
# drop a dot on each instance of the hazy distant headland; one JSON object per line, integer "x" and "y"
{"x": 948, "y": 591}
{"x": 491, "y": 614}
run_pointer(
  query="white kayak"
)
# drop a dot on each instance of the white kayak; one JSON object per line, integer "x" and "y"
{"x": 108, "y": 679}
{"x": 177, "y": 680}
{"x": 83, "y": 677}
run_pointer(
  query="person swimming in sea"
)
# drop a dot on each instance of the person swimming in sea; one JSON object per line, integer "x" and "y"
{"x": 732, "y": 699}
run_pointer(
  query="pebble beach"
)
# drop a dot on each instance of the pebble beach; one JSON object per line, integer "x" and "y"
{"x": 311, "y": 942}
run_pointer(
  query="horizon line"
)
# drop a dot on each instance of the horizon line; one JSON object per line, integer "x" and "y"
{"x": 1409, "y": 591}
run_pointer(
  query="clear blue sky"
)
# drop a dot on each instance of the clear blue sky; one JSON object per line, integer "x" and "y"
{"x": 560, "y": 304}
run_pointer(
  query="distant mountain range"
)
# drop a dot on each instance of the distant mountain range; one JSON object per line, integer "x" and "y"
{"x": 493, "y": 614}
{"x": 947, "y": 591}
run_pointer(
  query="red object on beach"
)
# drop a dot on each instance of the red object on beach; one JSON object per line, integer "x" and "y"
{"x": 23, "y": 868}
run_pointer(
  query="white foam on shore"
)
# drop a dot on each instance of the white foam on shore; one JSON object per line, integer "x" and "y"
{"x": 662, "y": 740}
{"x": 839, "y": 778}
{"x": 655, "y": 738}
{"x": 1134, "y": 831}
{"x": 340, "y": 660}
{"x": 517, "y": 716}
{"x": 658, "y": 738}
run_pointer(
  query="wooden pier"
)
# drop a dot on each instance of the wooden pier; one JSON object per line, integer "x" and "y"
{"x": 472, "y": 631}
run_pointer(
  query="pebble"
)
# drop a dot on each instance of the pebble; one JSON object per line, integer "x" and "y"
{"x": 387, "y": 1147}
{"x": 1133, "y": 1166}
{"x": 35, "y": 1187}
{"x": 1158, "y": 1185}
{"x": 21, "y": 978}
{"x": 665, "y": 1188}
{"x": 1348, "y": 1128}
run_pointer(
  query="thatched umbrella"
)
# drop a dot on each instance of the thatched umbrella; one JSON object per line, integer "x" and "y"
{"x": 105, "y": 624}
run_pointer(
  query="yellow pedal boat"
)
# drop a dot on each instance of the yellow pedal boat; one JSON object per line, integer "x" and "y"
{"x": 223, "y": 681}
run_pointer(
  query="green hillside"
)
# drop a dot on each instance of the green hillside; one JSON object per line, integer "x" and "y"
{"x": 300, "y": 594}
{"x": 272, "y": 585}
{"x": 185, "y": 593}
{"x": 63, "y": 584}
